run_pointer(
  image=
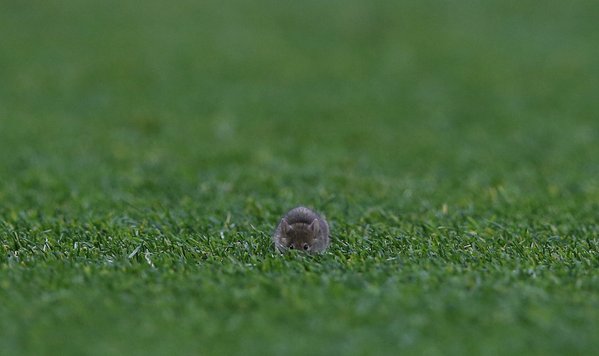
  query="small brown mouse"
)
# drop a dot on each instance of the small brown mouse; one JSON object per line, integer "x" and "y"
{"x": 301, "y": 229}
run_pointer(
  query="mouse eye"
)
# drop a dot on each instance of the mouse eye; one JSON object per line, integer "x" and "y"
{"x": 290, "y": 247}
{"x": 306, "y": 247}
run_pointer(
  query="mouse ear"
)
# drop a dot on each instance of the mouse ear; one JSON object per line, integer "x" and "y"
{"x": 314, "y": 226}
{"x": 285, "y": 226}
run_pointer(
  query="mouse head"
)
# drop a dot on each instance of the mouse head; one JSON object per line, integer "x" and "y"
{"x": 299, "y": 236}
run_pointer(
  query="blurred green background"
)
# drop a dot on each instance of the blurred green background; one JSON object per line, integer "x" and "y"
{"x": 147, "y": 150}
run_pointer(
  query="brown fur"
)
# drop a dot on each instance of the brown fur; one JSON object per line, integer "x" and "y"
{"x": 302, "y": 229}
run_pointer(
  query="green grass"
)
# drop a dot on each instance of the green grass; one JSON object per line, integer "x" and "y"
{"x": 148, "y": 150}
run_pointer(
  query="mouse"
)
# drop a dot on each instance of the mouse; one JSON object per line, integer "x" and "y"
{"x": 302, "y": 229}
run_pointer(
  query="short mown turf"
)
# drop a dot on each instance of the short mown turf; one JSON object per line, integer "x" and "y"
{"x": 148, "y": 149}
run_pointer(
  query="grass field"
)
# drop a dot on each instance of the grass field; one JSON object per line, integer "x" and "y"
{"x": 148, "y": 149}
